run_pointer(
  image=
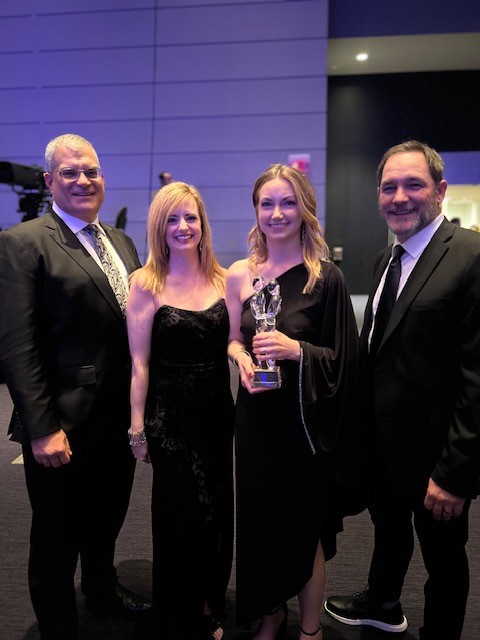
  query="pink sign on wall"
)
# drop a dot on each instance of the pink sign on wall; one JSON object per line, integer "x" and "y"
{"x": 300, "y": 162}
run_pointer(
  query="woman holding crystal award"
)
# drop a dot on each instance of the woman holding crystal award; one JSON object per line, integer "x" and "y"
{"x": 293, "y": 337}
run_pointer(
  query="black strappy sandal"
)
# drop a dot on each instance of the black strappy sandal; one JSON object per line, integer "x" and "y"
{"x": 282, "y": 629}
{"x": 305, "y": 633}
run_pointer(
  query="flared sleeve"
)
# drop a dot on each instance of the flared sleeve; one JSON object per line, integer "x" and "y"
{"x": 331, "y": 405}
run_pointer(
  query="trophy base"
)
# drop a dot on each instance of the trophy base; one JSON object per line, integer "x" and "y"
{"x": 267, "y": 378}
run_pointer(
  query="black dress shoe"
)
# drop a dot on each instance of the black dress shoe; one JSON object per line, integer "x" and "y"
{"x": 121, "y": 599}
{"x": 360, "y": 609}
{"x": 129, "y": 601}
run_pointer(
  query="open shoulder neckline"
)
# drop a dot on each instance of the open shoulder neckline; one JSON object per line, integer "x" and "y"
{"x": 280, "y": 275}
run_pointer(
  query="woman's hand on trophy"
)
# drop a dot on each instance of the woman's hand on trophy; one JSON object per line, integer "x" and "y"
{"x": 246, "y": 367}
{"x": 275, "y": 345}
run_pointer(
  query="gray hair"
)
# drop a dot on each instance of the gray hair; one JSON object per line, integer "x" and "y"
{"x": 71, "y": 141}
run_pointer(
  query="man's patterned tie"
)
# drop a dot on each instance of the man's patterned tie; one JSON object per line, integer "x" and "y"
{"x": 111, "y": 270}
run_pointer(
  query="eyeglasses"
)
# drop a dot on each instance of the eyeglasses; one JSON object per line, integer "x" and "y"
{"x": 70, "y": 175}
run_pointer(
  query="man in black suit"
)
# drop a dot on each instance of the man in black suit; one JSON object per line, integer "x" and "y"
{"x": 64, "y": 354}
{"x": 423, "y": 399}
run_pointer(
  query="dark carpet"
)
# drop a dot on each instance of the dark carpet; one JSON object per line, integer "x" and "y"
{"x": 347, "y": 572}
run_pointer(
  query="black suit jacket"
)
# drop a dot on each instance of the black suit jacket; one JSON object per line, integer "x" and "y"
{"x": 63, "y": 342}
{"x": 424, "y": 385}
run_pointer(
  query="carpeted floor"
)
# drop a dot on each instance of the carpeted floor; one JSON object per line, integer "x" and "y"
{"x": 345, "y": 573}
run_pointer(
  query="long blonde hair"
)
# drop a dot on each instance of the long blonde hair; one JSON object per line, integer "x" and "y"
{"x": 167, "y": 200}
{"x": 314, "y": 247}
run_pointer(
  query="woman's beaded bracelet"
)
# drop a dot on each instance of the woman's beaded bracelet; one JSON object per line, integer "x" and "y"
{"x": 137, "y": 438}
{"x": 232, "y": 358}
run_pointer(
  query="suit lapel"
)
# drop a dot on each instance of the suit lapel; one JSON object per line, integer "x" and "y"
{"x": 68, "y": 241}
{"x": 427, "y": 263}
{"x": 117, "y": 238}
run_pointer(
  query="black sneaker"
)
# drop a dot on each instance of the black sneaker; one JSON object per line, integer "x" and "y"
{"x": 360, "y": 610}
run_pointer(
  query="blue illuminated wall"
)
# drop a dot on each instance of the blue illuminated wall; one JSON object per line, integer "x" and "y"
{"x": 211, "y": 91}
{"x": 216, "y": 90}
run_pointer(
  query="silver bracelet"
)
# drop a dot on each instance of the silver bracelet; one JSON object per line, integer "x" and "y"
{"x": 137, "y": 438}
{"x": 232, "y": 358}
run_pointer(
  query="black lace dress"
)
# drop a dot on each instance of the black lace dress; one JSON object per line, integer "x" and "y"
{"x": 189, "y": 425}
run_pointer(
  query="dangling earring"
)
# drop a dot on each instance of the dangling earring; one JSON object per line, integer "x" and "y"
{"x": 200, "y": 245}
{"x": 302, "y": 232}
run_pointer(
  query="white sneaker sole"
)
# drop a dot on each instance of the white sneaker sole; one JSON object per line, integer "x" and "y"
{"x": 366, "y": 622}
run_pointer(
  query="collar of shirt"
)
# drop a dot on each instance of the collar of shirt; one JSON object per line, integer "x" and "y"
{"x": 77, "y": 226}
{"x": 73, "y": 223}
{"x": 416, "y": 245}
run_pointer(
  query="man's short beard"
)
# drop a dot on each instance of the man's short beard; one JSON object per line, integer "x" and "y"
{"x": 434, "y": 208}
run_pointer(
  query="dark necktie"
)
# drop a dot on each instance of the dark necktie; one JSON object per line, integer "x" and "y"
{"x": 110, "y": 268}
{"x": 387, "y": 298}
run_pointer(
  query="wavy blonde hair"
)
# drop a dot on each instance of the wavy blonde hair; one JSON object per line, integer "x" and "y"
{"x": 168, "y": 199}
{"x": 314, "y": 247}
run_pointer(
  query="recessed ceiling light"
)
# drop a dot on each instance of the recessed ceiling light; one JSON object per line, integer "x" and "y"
{"x": 361, "y": 57}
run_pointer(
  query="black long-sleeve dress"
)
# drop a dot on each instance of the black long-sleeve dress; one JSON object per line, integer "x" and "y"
{"x": 189, "y": 426}
{"x": 296, "y": 449}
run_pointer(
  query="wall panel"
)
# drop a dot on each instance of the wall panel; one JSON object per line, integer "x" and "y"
{"x": 242, "y": 133}
{"x": 20, "y": 69}
{"x": 227, "y": 61}
{"x": 19, "y": 105}
{"x": 117, "y": 66}
{"x": 98, "y": 103}
{"x": 239, "y": 22}
{"x": 234, "y": 97}
{"x": 105, "y": 29}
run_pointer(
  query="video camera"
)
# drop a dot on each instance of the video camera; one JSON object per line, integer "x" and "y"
{"x": 33, "y": 193}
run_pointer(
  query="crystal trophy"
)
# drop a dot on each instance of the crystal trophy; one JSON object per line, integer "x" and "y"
{"x": 265, "y": 305}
